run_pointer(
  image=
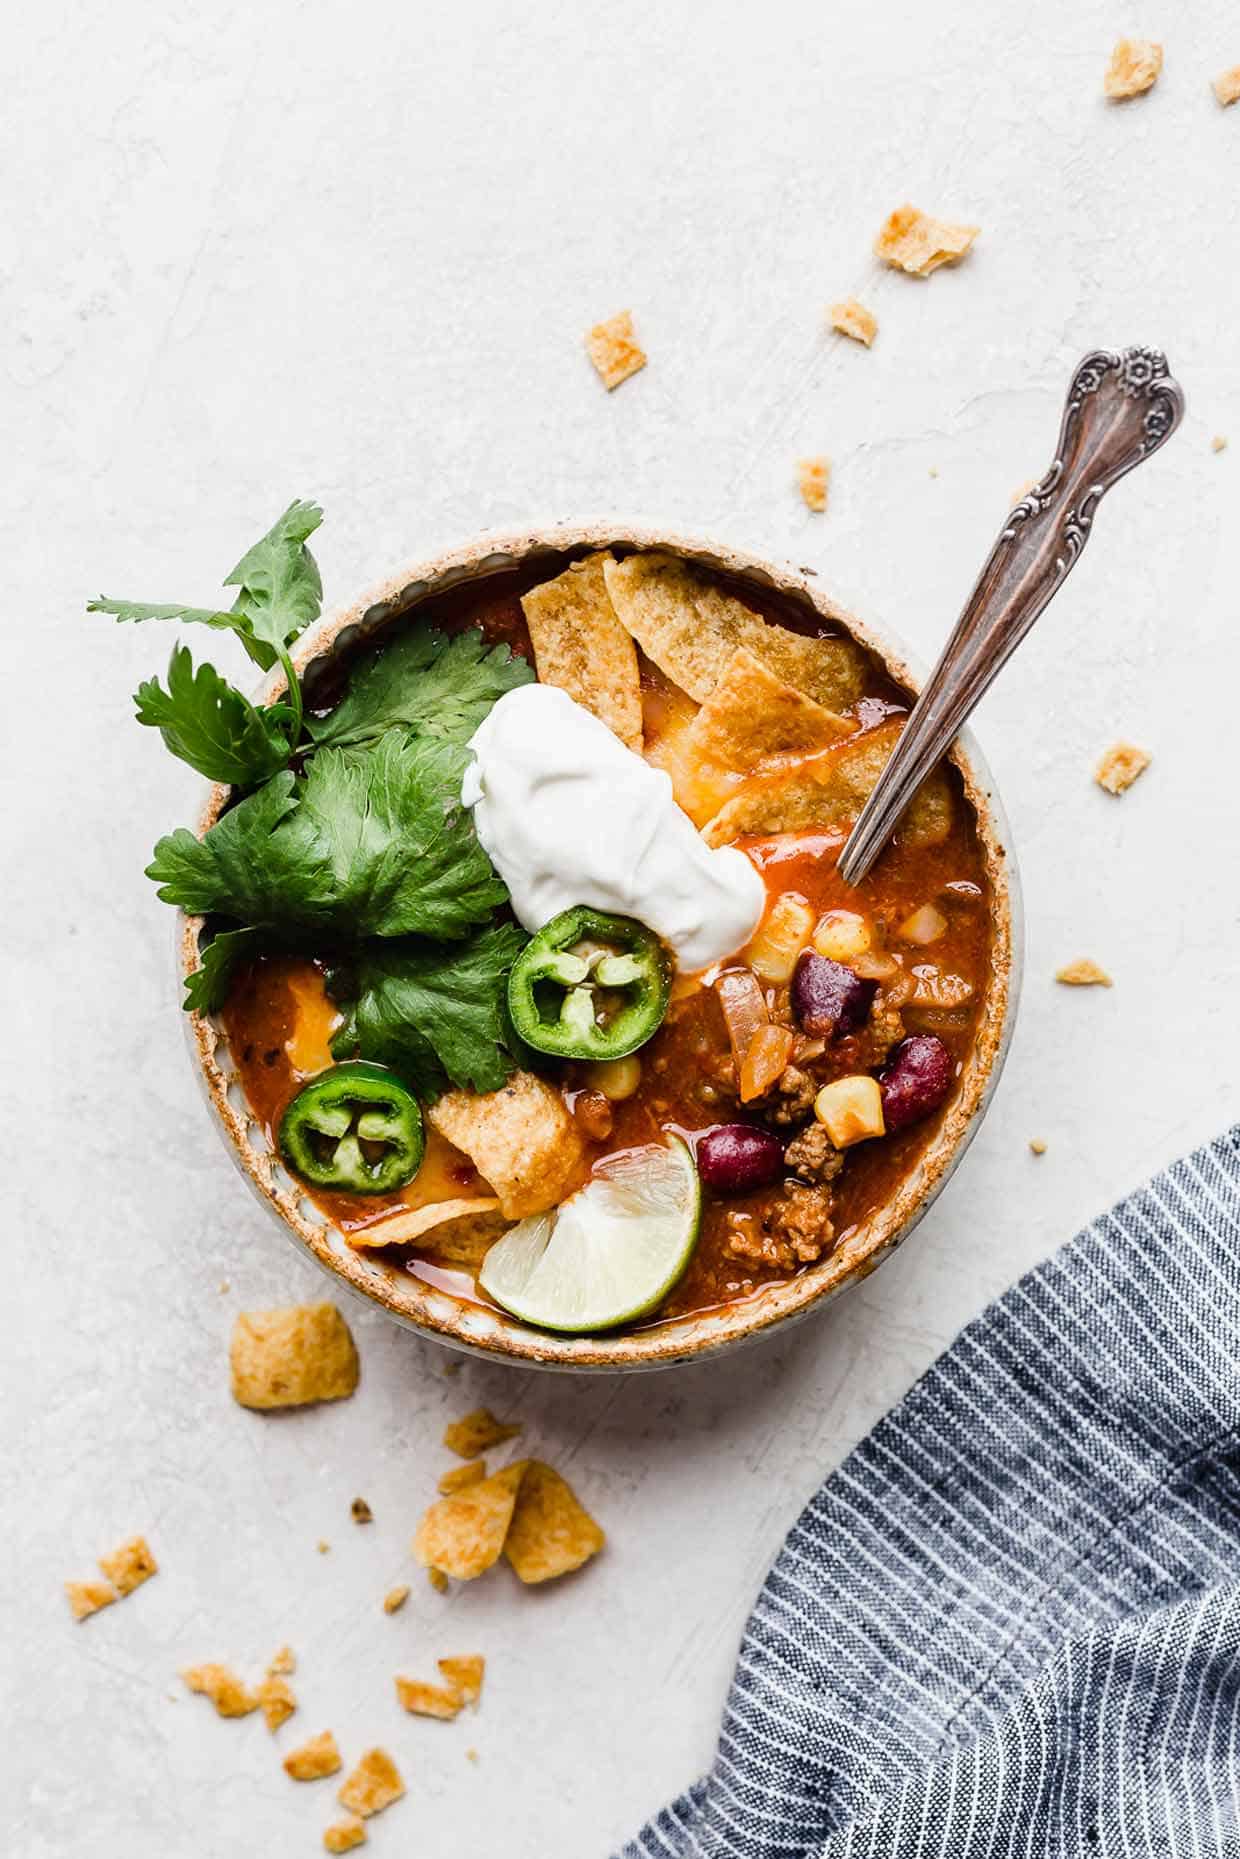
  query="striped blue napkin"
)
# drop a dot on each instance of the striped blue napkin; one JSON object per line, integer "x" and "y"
{"x": 1010, "y": 1622}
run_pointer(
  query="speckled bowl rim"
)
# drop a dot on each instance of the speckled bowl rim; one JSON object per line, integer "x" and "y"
{"x": 492, "y": 1334}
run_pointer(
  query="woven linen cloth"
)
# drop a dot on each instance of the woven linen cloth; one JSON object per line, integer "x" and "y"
{"x": 1010, "y": 1622}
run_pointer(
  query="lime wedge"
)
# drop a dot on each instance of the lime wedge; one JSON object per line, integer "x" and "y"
{"x": 608, "y": 1253}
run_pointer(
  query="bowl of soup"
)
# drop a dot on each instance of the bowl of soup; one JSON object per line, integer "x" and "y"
{"x": 674, "y": 1085}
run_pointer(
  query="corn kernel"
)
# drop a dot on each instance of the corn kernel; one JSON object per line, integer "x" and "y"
{"x": 780, "y": 938}
{"x": 615, "y": 1078}
{"x": 851, "y": 1110}
{"x": 843, "y": 934}
{"x": 923, "y": 926}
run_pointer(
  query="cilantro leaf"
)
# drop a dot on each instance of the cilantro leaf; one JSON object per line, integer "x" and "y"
{"x": 434, "y": 1014}
{"x": 245, "y": 868}
{"x": 211, "y": 725}
{"x": 432, "y": 684}
{"x": 280, "y": 591}
{"x": 207, "y": 988}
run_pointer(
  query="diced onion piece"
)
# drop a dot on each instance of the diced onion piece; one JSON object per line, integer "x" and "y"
{"x": 744, "y": 1009}
{"x": 768, "y": 1054}
{"x": 932, "y": 987}
{"x": 615, "y": 1078}
{"x": 842, "y": 935}
{"x": 780, "y": 938}
{"x": 851, "y": 1109}
{"x": 872, "y": 966}
{"x": 923, "y": 926}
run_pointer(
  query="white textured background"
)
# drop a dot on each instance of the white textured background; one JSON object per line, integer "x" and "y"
{"x": 253, "y": 252}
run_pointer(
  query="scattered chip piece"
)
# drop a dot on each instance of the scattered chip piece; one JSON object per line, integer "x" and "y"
{"x": 459, "y": 1231}
{"x": 813, "y": 477}
{"x": 913, "y": 241}
{"x": 464, "y": 1675}
{"x": 374, "y": 1784}
{"x": 229, "y": 1695}
{"x": 614, "y": 349}
{"x": 438, "y": 1580}
{"x": 323, "y": 1546}
{"x": 463, "y": 1535}
{"x": 691, "y": 627}
{"x": 476, "y": 1433}
{"x": 361, "y": 1512}
{"x": 1134, "y": 67}
{"x": 521, "y": 1139}
{"x": 1218, "y": 443}
{"x": 395, "y": 1598}
{"x": 1083, "y": 974}
{"x": 828, "y": 790}
{"x": 1037, "y": 1145}
{"x": 311, "y": 1761}
{"x": 1120, "y": 767}
{"x": 580, "y": 646}
{"x": 471, "y": 1755}
{"x": 292, "y": 1356}
{"x": 551, "y": 1533}
{"x": 343, "y": 1835}
{"x": 424, "y": 1700}
{"x": 276, "y": 1700}
{"x": 853, "y": 319}
{"x": 282, "y": 1661}
{"x": 1226, "y": 86}
{"x": 458, "y": 1476}
{"x": 87, "y": 1597}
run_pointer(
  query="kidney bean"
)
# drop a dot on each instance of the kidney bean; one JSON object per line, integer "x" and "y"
{"x": 827, "y": 998}
{"x": 735, "y": 1157}
{"x": 916, "y": 1079}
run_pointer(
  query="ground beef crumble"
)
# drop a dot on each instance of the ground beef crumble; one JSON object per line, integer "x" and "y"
{"x": 813, "y": 1156}
{"x": 796, "y": 1230}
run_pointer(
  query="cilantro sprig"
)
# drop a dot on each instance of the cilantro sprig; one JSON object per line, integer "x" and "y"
{"x": 346, "y": 838}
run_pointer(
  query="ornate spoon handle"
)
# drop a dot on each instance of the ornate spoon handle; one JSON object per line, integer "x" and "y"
{"x": 1120, "y": 409}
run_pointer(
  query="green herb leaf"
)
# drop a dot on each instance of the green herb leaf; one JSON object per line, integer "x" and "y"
{"x": 212, "y": 725}
{"x": 434, "y": 685}
{"x": 206, "y": 989}
{"x": 371, "y": 843}
{"x": 280, "y": 591}
{"x": 434, "y": 1014}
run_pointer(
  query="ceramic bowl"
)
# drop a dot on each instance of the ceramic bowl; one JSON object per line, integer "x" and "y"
{"x": 490, "y": 1332}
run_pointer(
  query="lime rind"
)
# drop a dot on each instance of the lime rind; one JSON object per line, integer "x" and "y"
{"x": 608, "y": 1254}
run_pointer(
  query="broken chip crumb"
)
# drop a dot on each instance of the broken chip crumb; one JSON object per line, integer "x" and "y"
{"x": 1037, "y": 1145}
{"x": 276, "y": 1700}
{"x": 1083, "y": 974}
{"x": 913, "y": 241}
{"x": 87, "y": 1597}
{"x": 853, "y": 319}
{"x": 323, "y": 1546}
{"x": 314, "y": 1759}
{"x": 224, "y": 1287}
{"x": 1226, "y": 86}
{"x": 343, "y": 1835}
{"x": 374, "y": 1784}
{"x": 361, "y": 1512}
{"x": 292, "y": 1356}
{"x": 1218, "y": 443}
{"x": 465, "y": 1675}
{"x": 130, "y": 1565}
{"x": 458, "y": 1476}
{"x": 471, "y": 1755}
{"x": 281, "y": 1662}
{"x": 1134, "y": 67}
{"x": 614, "y": 349}
{"x": 220, "y": 1683}
{"x": 438, "y": 1580}
{"x": 427, "y": 1700}
{"x": 813, "y": 476}
{"x": 1120, "y": 766}
{"x": 476, "y": 1433}
{"x": 463, "y": 1535}
{"x": 395, "y": 1598}
{"x": 551, "y": 1533}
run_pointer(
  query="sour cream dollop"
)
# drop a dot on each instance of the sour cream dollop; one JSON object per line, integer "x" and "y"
{"x": 569, "y": 816}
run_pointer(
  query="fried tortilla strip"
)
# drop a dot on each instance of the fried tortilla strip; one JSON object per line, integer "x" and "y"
{"x": 343, "y": 1835}
{"x": 690, "y": 628}
{"x": 476, "y": 1433}
{"x": 459, "y": 1231}
{"x": 1134, "y": 68}
{"x": 463, "y": 1535}
{"x": 828, "y": 791}
{"x": 521, "y": 1139}
{"x": 853, "y": 319}
{"x": 614, "y": 349}
{"x": 464, "y": 1675}
{"x": 292, "y": 1356}
{"x": 130, "y": 1565}
{"x": 913, "y": 241}
{"x": 87, "y": 1597}
{"x": 374, "y": 1784}
{"x": 314, "y": 1759}
{"x": 226, "y": 1691}
{"x": 551, "y": 1533}
{"x": 580, "y": 646}
{"x": 423, "y": 1700}
{"x": 275, "y": 1696}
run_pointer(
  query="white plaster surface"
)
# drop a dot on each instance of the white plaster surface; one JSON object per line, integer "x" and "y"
{"x": 347, "y": 251}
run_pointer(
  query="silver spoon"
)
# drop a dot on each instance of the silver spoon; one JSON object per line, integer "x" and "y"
{"x": 1120, "y": 409}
